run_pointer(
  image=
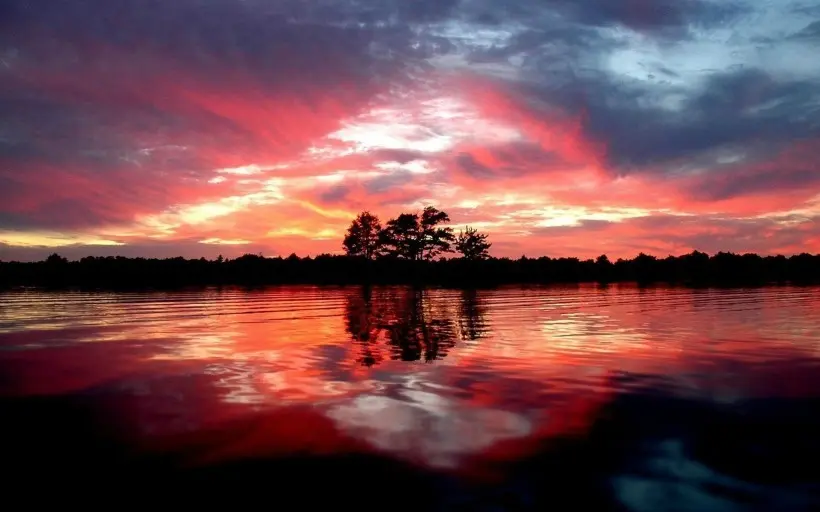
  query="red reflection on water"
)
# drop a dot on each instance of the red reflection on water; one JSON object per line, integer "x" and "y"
{"x": 436, "y": 375}
{"x": 295, "y": 430}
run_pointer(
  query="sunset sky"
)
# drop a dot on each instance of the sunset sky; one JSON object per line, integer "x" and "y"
{"x": 560, "y": 127}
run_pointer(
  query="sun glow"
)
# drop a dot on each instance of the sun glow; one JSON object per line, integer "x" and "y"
{"x": 53, "y": 239}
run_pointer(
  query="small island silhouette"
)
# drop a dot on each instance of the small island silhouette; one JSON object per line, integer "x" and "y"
{"x": 413, "y": 248}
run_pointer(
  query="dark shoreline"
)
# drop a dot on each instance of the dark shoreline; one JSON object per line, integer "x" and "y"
{"x": 695, "y": 269}
{"x": 417, "y": 286}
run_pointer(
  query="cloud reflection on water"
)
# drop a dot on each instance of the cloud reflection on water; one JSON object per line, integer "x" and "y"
{"x": 436, "y": 374}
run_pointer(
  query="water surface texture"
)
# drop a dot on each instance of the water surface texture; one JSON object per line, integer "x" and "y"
{"x": 518, "y": 398}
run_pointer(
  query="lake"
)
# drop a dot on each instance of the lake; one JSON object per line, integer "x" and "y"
{"x": 618, "y": 397}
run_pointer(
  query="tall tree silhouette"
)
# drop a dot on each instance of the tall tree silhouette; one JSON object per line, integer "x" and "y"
{"x": 363, "y": 237}
{"x": 473, "y": 245}
{"x": 402, "y": 237}
{"x": 435, "y": 240}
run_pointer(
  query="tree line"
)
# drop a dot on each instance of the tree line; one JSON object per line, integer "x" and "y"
{"x": 412, "y": 236}
{"x": 411, "y": 248}
{"x": 696, "y": 269}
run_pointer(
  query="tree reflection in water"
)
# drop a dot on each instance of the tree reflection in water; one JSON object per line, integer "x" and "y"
{"x": 408, "y": 325}
{"x": 472, "y": 318}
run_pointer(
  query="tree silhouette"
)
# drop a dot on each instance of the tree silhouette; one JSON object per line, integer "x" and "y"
{"x": 473, "y": 245}
{"x": 363, "y": 237}
{"x": 402, "y": 237}
{"x": 418, "y": 237}
{"x": 696, "y": 268}
{"x": 471, "y": 319}
{"x": 645, "y": 268}
{"x": 435, "y": 240}
{"x": 56, "y": 259}
{"x": 604, "y": 268}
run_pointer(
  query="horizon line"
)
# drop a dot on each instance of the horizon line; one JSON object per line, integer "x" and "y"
{"x": 388, "y": 258}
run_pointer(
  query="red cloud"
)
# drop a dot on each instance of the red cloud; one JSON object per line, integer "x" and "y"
{"x": 208, "y": 123}
{"x": 81, "y": 198}
{"x": 554, "y": 131}
{"x": 195, "y": 125}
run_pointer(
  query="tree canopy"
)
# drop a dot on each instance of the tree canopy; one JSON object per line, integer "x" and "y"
{"x": 411, "y": 236}
{"x": 402, "y": 237}
{"x": 473, "y": 245}
{"x": 363, "y": 237}
{"x": 435, "y": 240}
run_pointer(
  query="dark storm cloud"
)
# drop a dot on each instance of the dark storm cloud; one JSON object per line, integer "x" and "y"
{"x": 47, "y": 129}
{"x": 543, "y": 46}
{"x": 666, "y": 119}
{"x": 739, "y": 109}
{"x": 747, "y": 111}
{"x": 811, "y": 32}
{"x": 361, "y": 11}
{"x": 643, "y": 15}
{"x": 646, "y": 14}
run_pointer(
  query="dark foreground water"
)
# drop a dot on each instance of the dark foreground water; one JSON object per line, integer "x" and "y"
{"x": 575, "y": 398}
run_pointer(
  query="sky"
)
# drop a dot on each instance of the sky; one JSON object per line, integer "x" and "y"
{"x": 559, "y": 127}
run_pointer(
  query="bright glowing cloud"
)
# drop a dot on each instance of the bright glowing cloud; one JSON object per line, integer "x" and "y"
{"x": 46, "y": 239}
{"x": 219, "y": 241}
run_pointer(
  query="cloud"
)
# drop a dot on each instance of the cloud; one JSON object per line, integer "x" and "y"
{"x": 663, "y": 234}
{"x": 793, "y": 170}
{"x": 810, "y": 31}
{"x": 110, "y": 111}
{"x": 647, "y": 14}
{"x": 735, "y": 110}
{"x": 154, "y": 123}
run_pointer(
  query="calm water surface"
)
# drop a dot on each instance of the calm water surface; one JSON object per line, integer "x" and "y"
{"x": 707, "y": 398}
